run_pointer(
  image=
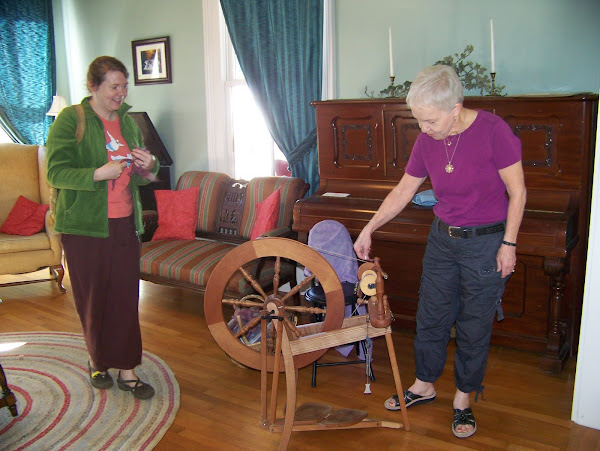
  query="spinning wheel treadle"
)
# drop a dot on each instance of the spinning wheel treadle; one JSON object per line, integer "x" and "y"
{"x": 281, "y": 249}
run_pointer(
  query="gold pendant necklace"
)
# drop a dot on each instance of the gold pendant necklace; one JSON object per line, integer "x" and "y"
{"x": 449, "y": 167}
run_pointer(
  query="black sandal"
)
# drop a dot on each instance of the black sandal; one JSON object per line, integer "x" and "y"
{"x": 410, "y": 399}
{"x": 140, "y": 390}
{"x": 99, "y": 379}
{"x": 464, "y": 418}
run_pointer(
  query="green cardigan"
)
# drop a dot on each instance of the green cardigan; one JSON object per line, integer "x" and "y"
{"x": 82, "y": 204}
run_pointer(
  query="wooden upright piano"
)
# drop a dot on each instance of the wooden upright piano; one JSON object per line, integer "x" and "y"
{"x": 364, "y": 146}
{"x": 155, "y": 145}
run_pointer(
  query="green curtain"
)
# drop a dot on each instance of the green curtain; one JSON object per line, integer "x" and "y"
{"x": 279, "y": 46}
{"x": 27, "y": 68}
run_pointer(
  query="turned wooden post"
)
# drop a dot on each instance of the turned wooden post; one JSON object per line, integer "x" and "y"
{"x": 557, "y": 350}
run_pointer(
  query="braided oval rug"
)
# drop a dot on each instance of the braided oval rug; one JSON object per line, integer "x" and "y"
{"x": 59, "y": 409}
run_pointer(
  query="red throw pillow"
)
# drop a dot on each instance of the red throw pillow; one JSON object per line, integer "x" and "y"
{"x": 177, "y": 214}
{"x": 267, "y": 215}
{"x": 26, "y": 218}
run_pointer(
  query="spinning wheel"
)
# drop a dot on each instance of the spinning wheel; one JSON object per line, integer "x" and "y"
{"x": 297, "y": 346}
{"x": 282, "y": 251}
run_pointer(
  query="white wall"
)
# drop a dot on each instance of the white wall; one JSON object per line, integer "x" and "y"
{"x": 586, "y": 398}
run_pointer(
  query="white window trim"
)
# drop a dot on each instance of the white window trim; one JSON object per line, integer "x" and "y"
{"x": 220, "y": 149}
{"x": 220, "y": 158}
{"x": 329, "y": 84}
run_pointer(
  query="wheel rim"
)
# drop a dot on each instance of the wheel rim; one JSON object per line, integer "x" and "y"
{"x": 269, "y": 247}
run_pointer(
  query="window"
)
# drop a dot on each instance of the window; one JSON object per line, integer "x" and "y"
{"x": 254, "y": 151}
{"x": 4, "y": 138}
{"x": 235, "y": 122}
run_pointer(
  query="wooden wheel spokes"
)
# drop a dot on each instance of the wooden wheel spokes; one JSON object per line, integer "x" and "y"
{"x": 276, "y": 275}
{"x": 300, "y": 309}
{"x": 262, "y": 302}
{"x": 291, "y": 327}
{"x": 245, "y": 303}
{"x": 253, "y": 282}
{"x": 244, "y": 330}
{"x": 276, "y": 253}
{"x": 305, "y": 283}
{"x": 254, "y": 322}
{"x": 242, "y": 303}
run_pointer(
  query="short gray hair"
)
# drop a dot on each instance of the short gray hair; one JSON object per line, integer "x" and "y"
{"x": 437, "y": 86}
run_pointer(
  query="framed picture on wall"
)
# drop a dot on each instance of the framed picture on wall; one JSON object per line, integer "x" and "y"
{"x": 151, "y": 61}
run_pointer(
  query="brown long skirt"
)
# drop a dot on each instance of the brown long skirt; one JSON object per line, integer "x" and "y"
{"x": 104, "y": 275}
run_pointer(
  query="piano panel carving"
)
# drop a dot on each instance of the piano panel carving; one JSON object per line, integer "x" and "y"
{"x": 404, "y": 132}
{"x": 539, "y": 140}
{"x": 364, "y": 146}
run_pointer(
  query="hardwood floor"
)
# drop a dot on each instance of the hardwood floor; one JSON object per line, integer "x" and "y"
{"x": 524, "y": 408}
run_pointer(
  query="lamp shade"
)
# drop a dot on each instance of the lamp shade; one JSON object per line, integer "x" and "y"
{"x": 58, "y": 103}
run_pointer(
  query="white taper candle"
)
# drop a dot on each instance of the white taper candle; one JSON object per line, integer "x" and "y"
{"x": 492, "y": 51}
{"x": 391, "y": 52}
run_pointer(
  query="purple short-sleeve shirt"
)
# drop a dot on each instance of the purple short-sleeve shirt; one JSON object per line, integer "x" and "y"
{"x": 473, "y": 194}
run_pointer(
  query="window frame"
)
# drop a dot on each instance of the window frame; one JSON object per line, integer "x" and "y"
{"x": 221, "y": 156}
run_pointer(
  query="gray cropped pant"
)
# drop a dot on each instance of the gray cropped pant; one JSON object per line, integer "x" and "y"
{"x": 459, "y": 284}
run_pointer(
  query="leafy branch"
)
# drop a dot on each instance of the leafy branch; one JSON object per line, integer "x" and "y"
{"x": 472, "y": 75}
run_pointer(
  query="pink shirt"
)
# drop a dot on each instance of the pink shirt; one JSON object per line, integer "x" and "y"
{"x": 473, "y": 194}
{"x": 120, "y": 204}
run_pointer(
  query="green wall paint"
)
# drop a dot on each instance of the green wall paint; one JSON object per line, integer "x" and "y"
{"x": 542, "y": 46}
{"x": 107, "y": 27}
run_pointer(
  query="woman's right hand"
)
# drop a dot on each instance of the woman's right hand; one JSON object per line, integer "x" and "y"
{"x": 362, "y": 245}
{"x": 110, "y": 171}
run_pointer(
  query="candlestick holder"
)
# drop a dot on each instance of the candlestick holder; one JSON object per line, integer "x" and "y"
{"x": 494, "y": 91}
{"x": 392, "y": 91}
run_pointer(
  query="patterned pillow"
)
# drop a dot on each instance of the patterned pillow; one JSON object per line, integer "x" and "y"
{"x": 26, "y": 218}
{"x": 267, "y": 215}
{"x": 177, "y": 214}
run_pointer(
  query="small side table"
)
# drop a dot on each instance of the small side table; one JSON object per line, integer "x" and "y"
{"x": 7, "y": 398}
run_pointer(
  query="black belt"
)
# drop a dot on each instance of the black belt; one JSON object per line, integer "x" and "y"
{"x": 469, "y": 232}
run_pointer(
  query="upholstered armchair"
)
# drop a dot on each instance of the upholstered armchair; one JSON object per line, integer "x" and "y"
{"x": 23, "y": 172}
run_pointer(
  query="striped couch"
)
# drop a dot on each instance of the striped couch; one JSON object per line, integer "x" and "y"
{"x": 226, "y": 215}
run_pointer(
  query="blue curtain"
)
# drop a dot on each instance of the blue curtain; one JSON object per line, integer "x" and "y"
{"x": 27, "y": 68}
{"x": 279, "y": 46}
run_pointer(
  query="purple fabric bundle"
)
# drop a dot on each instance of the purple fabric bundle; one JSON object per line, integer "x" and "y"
{"x": 144, "y": 173}
{"x": 332, "y": 240}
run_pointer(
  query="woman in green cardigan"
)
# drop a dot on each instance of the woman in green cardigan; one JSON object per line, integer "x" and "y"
{"x": 96, "y": 161}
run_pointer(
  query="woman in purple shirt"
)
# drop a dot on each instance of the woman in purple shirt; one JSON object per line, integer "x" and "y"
{"x": 473, "y": 160}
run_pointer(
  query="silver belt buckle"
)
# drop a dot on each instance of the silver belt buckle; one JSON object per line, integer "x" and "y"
{"x": 455, "y": 232}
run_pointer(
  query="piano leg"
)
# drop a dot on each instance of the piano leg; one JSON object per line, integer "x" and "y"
{"x": 557, "y": 350}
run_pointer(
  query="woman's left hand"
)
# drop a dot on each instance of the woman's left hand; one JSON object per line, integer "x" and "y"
{"x": 143, "y": 158}
{"x": 506, "y": 259}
